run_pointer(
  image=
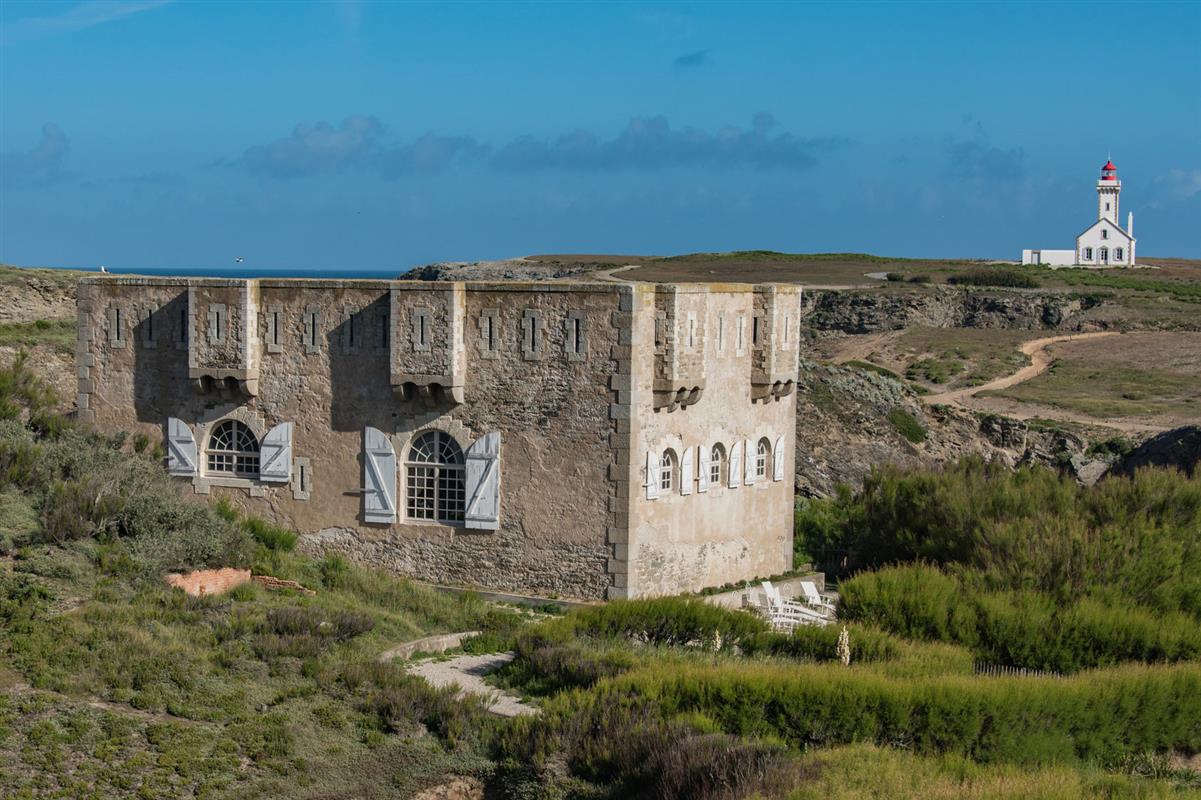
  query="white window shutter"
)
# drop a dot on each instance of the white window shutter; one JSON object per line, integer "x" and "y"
{"x": 379, "y": 477}
{"x": 751, "y": 456}
{"x": 735, "y": 473}
{"x": 275, "y": 454}
{"x": 702, "y": 474}
{"x": 778, "y": 453}
{"x": 687, "y": 471}
{"x": 652, "y": 475}
{"x": 181, "y": 448}
{"x": 483, "y": 483}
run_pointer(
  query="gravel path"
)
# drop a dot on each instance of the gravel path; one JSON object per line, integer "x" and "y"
{"x": 467, "y": 672}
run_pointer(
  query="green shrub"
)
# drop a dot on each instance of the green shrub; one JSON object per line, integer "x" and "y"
{"x": 627, "y": 747}
{"x": 1092, "y": 717}
{"x": 919, "y": 278}
{"x": 1017, "y": 628}
{"x": 907, "y": 425}
{"x": 668, "y": 621}
{"x": 995, "y": 277}
{"x": 820, "y": 644}
{"x": 894, "y": 277}
{"x": 273, "y": 537}
{"x": 870, "y": 367}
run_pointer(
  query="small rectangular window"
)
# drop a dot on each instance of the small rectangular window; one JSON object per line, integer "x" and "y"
{"x": 381, "y": 329}
{"x": 217, "y": 323}
{"x": 1104, "y": 233}
{"x": 420, "y": 334}
{"x": 488, "y": 343}
{"x": 576, "y": 345}
{"x": 755, "y": 331}
{"x": 312, "y": 330}
{"x": 531, "y": 335}
{"x": 275, "y": 318}
{"x": 181, "y": 327}
{"x": 741, "y": 342}
{"x": 149, "y": 340}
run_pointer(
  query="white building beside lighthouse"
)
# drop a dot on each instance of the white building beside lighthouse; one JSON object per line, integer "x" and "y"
{"x": 1105, "y": 242}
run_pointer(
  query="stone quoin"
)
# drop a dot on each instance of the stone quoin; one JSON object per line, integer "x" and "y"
{"x": 589, "y": 440}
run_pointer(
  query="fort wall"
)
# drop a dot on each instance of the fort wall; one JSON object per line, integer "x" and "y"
{"x": 553, "y": 393}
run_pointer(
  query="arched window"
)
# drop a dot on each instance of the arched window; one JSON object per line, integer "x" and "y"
{"x": 717, "y": 462}
{"x": 233, "y": 449}
{"x": 667, "y": 470}
{"x": 761, "y": 454}
{"x": 434, "y": 485}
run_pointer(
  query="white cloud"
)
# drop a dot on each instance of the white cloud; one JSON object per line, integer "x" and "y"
{"x": 77, "y": 17}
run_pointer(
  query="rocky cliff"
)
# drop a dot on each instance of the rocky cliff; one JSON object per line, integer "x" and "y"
{"x": 850, "y": 419}
{"x": 874, "y": 310}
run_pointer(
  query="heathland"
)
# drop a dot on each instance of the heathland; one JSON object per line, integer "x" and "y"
{"x": 1013, "y": 633}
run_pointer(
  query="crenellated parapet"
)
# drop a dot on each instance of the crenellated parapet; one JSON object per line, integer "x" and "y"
{"x": 774, "y": 341}
{"x": 428, "y": 358}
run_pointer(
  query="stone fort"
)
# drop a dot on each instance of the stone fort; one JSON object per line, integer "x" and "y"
{"x": 591, "y": 440}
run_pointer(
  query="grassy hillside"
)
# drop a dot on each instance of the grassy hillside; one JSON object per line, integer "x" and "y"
{"x": 114, "y": 685}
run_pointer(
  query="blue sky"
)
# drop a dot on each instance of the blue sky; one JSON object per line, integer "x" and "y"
{"x": 363, "y": 135}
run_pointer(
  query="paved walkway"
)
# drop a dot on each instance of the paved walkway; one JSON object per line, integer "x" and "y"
{"x": 467, "y": 672}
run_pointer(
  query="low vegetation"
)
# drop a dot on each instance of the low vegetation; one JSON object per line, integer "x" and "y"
{"x": 907, "y": 425}
{"x": 994, "y": 276}
{"x": 114, "y": 685}
{"x": 58, "y": 333}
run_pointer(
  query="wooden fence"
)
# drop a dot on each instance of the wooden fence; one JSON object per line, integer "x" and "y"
{"x": 1002, "y": 671}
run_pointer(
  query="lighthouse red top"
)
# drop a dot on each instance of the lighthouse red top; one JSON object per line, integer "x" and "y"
{"x": 1109, "y": 172}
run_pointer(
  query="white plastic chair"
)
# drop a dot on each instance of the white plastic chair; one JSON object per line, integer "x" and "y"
{"x": 821, "y": 603}
{"x": 786, "y": 614}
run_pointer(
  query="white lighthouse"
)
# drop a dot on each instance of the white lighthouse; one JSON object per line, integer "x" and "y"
{"x": 1105, "y": 243}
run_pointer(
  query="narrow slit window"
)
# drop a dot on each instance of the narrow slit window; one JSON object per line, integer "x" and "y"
{"x": 181, "y": 332}
{"x": 312, "y": 329}
{"x": 721, "y": 333}
{"x": 755, "y": 330}
{"x": 577, "y": 338}
{"x": 381, "y": 330}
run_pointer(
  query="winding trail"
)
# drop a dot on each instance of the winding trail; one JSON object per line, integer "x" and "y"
{"x": 1040, "y": 360}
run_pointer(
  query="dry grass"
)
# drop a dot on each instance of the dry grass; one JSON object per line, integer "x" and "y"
{"x": 1148, "y": 375}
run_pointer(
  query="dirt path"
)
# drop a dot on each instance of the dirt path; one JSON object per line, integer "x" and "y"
{"x": 1040, "y": 359}
{"x": 467, "y": 672}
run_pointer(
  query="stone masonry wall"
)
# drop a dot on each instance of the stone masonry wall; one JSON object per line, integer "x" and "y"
{"x": 564, "y": 372}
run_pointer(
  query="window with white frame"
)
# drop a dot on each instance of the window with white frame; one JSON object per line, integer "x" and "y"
{"x": 1088, "y": 254}
{"x": 717, "y": 460}
{"x": 1103, "y": 254}
{"x": 233, "y": 449}
{"x": 667, "y": 470}
{"x": 1117, "y": 254}
{"x": 762, "y": 453}
{"x": 434, "y": 481}
{"x": 1105, "y": 233}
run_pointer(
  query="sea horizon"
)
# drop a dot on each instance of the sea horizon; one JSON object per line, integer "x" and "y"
{"x": 246, "y": 272}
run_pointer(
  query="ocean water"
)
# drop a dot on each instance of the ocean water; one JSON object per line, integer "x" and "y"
{"x": 250, "y": 272}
